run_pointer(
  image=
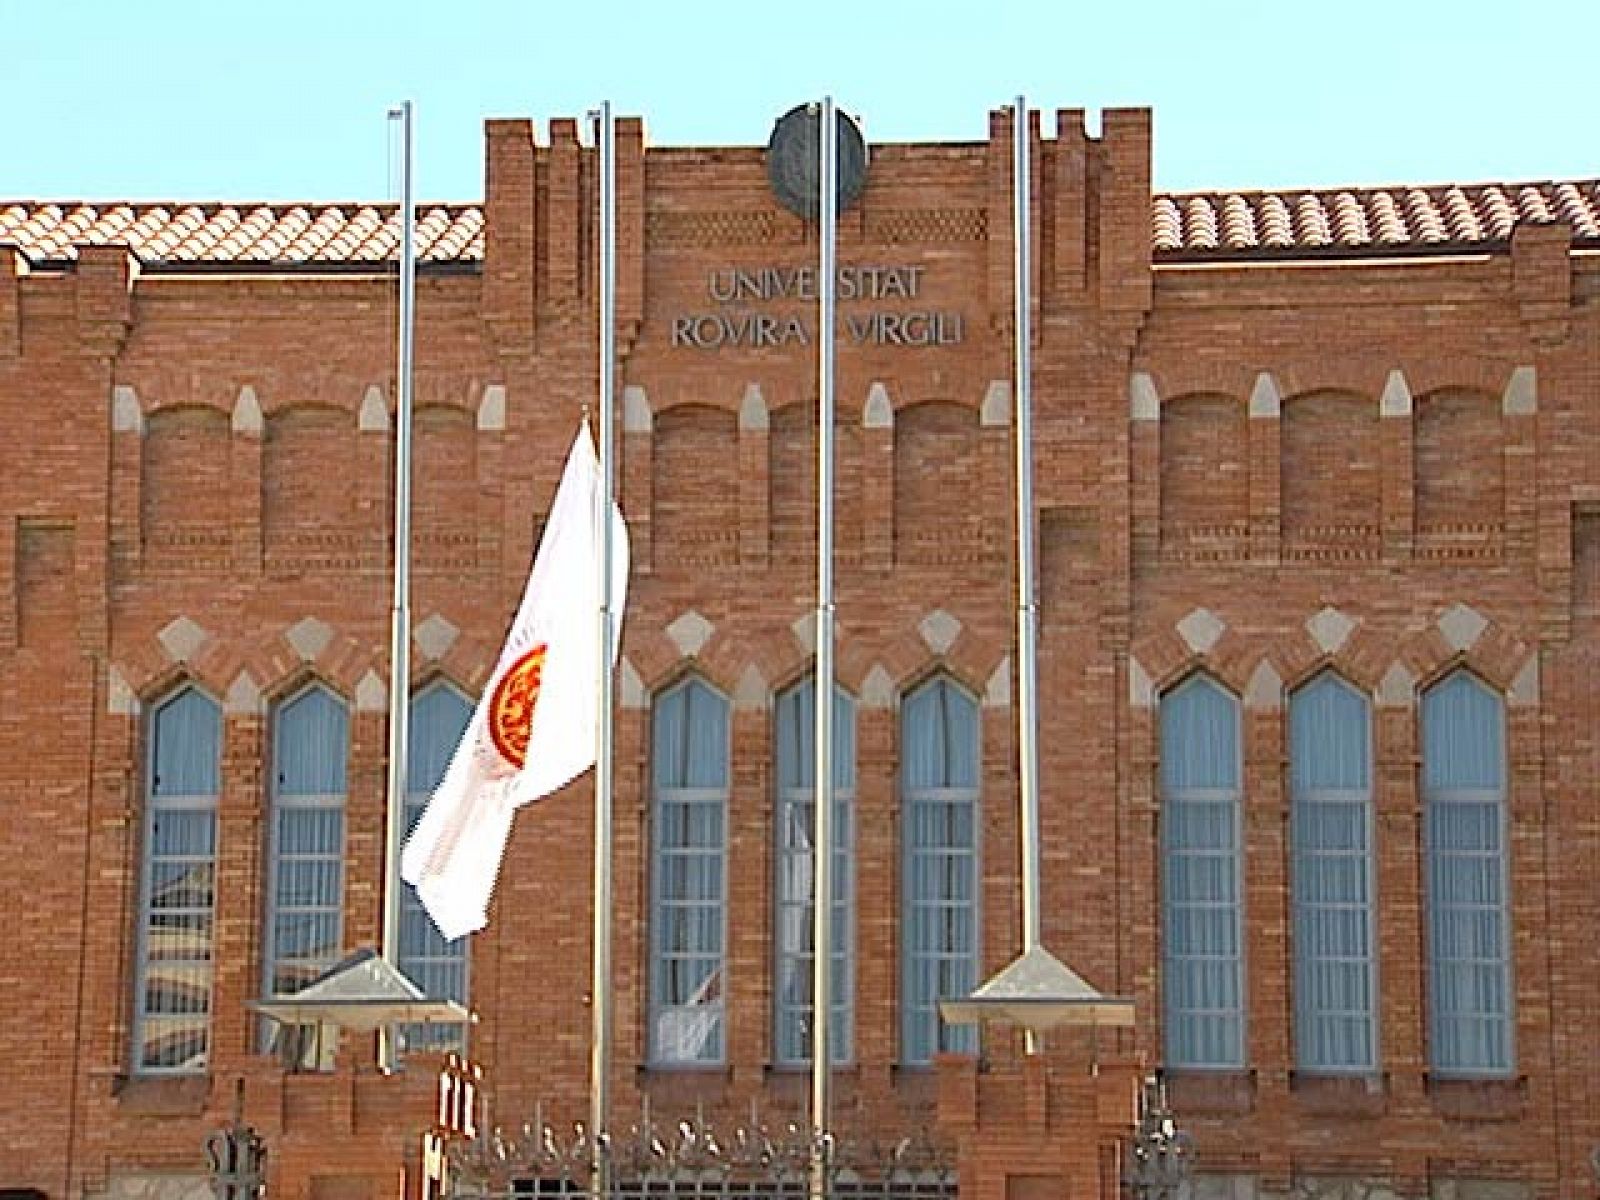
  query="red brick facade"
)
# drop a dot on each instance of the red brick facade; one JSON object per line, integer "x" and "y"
{"x": 1408, "y": 439}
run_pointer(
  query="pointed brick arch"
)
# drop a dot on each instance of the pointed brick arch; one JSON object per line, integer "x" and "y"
{"x": 1460, "y": 636}
{"x": 660, "y": 664}
{"x": 908, "y": 660}
{"x": 275, "y": 664}
{"x": 467, "y": 663}
{"x": 1361, "y": 655}
{"x": 1166, "y": 659}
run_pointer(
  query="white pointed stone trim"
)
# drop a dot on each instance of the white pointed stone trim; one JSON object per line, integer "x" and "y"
{"x": 120, "y": 698}
{"x": 309, "y": 637}
{"x": 878, "y": 413}
{"x": 247, "y": 418}
{"x": 1264, "y": 692}
{"x": 1462, "y": 626}
{"x": 1396, "y": 398}
{"x": 997, "y": 691}
{"x": 877, "y": 689}
{"x": 1144, "y": 402}
{"x": 1521, "y": 397}
{"x": 1330, "y": 629}
{"x": 804, "y": 629}
{"x": 1524, "y": 691}
{"x": 636, "y": 414}
{"x": 1265, "y": 399}
{"x": 996, "y": 410}
{"x": 126, "y": 415}
{"x": 182, "y": 639}
{"x": 750, "y": 693}
{"x": 690, "y": 632}
{"x": 753, "y": 409}
{"x": 1141, "y": 691}
{"x": 374, "y": 416}
{"x": 939, "y": 631}
{"x": 1201, "y": 630}
{"x": 372, "y": 695}
{"x": 1397, "y": 688}
{"x": 631, "y": 687}
{"x": 434, "y": 637}
{"x": 244, "y": 696}
{"x": 492, "y": 409}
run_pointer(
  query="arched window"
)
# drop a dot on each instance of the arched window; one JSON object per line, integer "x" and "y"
{"x": 1335, "y": 976}
{"x": 1469, "y": 940}
{"x": 795, "y": 728}
{"x": 688, "y": 876}
{"x": 305, "y": 890}
{"x": 177, "y": 904}
{"x": 1202, "y": 877}
{"x": 940, "y": 771}
{"x": 439, "y": 716}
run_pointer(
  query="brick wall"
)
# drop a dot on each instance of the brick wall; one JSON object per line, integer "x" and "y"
{"x": 1347, "y": 436}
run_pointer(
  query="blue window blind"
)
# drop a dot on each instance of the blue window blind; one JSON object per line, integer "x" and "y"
{"x": 688, "y": 883}
{"x": 305, "y": 910}
{"x": 940, "y": 771}
{"x": 439, "y": 716}
{"x": 177, "y": 907}
{"x": 795, "y": 729}
{"x": 1463, "y": 774}
{"x": 1202, "y": 960}
{"x": 1330, "y": 756}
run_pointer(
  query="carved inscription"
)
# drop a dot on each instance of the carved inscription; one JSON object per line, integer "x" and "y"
{"x": 897, "y": 317}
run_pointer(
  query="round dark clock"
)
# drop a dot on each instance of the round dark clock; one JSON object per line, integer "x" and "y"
{"x": 792, "y": 160}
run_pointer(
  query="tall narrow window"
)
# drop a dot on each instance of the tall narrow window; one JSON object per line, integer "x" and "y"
{"x": 796, "y": 806}
{"x": 439, "y": 716}
{"x": 1463, "y": 783}
{"x": 1202, "y": 962}
{"x": 688, "y": 877}
{"x": 940, "y": 770}
{"x": 172, "y": 1006}
{"x": 305, "y": 909}
{"x": 1330, "y": 755}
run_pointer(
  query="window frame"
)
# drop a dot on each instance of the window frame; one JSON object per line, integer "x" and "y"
{"x": 1298, "y": 904}
{"x": 435, "y": 1037}
{"x": 1501, "y": 799}
{"x": 844, "y": 905}
{"x": 960, "y": 1039}
{"x": 655, "y": 1009}
{"x": 1240, "y": 864}
{"x": 138, "y": 1040}
{"x": 277, "y": 802}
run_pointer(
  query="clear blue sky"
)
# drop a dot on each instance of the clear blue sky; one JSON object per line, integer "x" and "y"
{"x": 168, "y": 99}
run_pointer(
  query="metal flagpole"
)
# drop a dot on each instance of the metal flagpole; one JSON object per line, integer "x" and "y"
{"x": 400, "y": 618}
{"x": 600, "y": 983}
{"x": 822, "y": 812}
{"x": 1027, "y": 582}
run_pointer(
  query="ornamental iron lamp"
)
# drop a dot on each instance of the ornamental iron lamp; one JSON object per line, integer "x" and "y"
{"x": 236, "y": 1157}
{"x": 1160, "y": 1155}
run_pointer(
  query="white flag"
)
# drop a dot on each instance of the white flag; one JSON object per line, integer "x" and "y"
{"x": 537, "y": 725}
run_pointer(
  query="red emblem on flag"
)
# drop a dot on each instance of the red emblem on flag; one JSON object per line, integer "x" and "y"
{"x": 511, "y": 706}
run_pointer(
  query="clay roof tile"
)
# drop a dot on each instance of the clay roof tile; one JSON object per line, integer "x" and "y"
{"x": 1166, "y": 225}
{"x": 1220, "y": 225}
{"x": 1200, "y": 223}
